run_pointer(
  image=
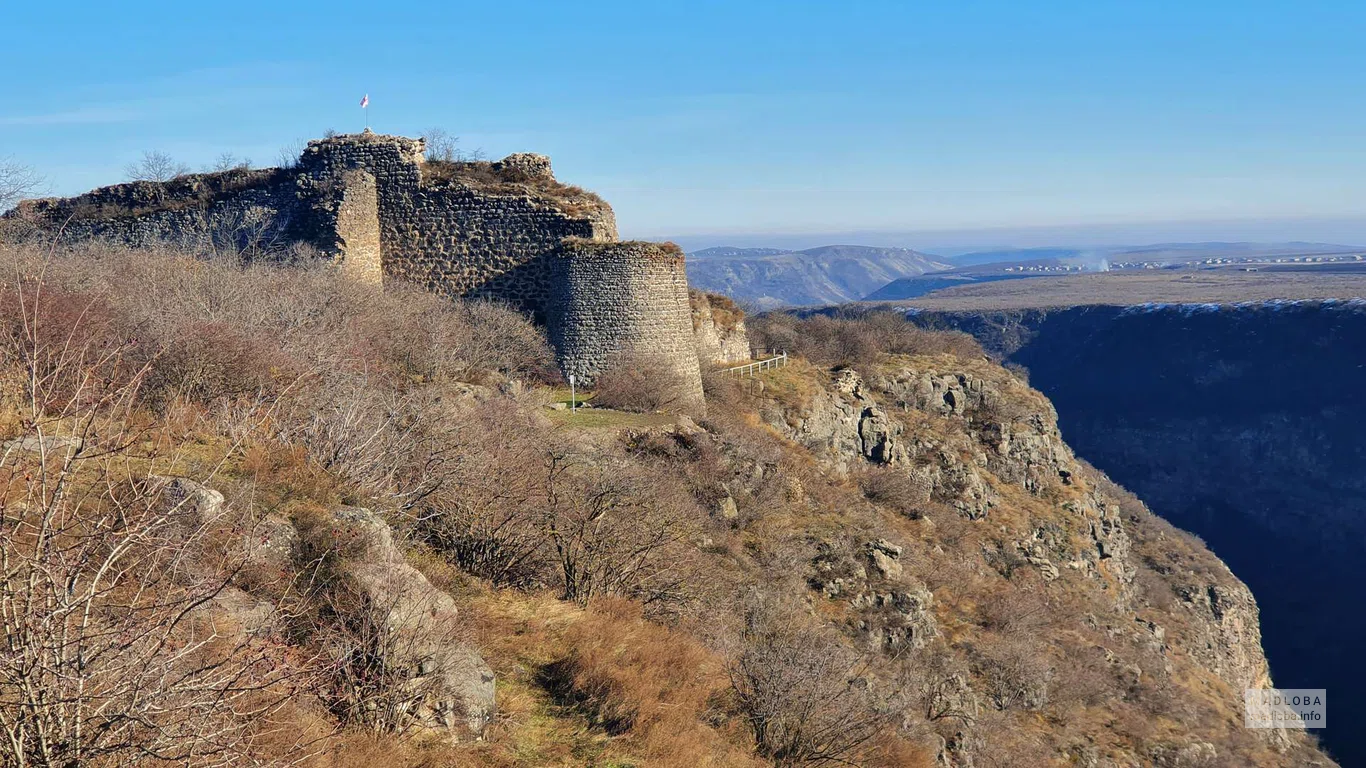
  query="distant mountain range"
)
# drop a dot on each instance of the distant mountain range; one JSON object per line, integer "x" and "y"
{"x": 767, "y": 278}
{"x": 833, "y": 274}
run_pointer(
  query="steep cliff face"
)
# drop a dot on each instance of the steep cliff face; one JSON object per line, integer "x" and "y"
{"x": 719, "y": 327}
{"x": 980, "y": 446}
{"x": 1241, "y": 424}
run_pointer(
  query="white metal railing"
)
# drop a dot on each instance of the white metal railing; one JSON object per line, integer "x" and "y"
{"x": 778, "y": 360}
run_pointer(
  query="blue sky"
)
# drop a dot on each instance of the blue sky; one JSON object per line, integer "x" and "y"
{"x": 713, "y": 119}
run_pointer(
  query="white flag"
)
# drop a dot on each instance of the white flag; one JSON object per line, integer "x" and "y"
{"x": 365, "y": 101}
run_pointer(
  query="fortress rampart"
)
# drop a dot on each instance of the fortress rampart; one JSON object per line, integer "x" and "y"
{"x": 506, "y": 230}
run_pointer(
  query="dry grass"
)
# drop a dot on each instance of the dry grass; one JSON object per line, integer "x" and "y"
{"x": 492, "y": 178}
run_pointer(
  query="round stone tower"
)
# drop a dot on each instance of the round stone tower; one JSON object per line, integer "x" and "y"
{"x": 625, "y": 303}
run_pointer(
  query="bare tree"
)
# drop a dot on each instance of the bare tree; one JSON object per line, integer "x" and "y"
{"x": 445, "y": 148}
{"x": 614, "y": 530}
{"x": 16, "y": 182}
{"x": 155, "y": 166}
{"x": 291, "y": 153}
{"x": 113, "y": 651}
{"x": 441, "y": 146}
{"x": 230, "y": 162}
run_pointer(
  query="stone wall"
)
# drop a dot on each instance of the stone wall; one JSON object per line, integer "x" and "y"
{"x": 624, "y": 303}
{"x": 467, "y": 233}
{"x": 242, "y": 211}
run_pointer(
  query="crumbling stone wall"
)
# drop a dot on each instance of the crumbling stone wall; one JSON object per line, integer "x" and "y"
{"x": 234, "y": 210}
{"x": 357, "y": 228}
{"x": 451, "y": 236}
{"x": 624, "y": 303}
{"x": 506, "y": 230}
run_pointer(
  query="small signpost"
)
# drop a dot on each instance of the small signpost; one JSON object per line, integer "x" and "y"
{"x": 573, "y": 398}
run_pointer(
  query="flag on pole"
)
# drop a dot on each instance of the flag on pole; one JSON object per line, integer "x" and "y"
{"x": 365, "y": 101}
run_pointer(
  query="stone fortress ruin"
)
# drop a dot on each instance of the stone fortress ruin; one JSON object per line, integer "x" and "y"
{"x": 374, "y": 205}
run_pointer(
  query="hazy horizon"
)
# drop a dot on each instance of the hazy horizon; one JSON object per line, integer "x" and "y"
{"x": 1349, "y": 232}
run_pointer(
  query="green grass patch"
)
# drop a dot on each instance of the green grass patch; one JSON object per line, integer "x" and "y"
{"x": 605, "y": 418}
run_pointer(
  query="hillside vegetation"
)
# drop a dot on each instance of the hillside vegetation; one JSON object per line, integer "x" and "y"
{"x": 261, "y": 516}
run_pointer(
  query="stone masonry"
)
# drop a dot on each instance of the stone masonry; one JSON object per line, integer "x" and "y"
{"x": 376, "y": 207}
{"x": 625, "y": 304}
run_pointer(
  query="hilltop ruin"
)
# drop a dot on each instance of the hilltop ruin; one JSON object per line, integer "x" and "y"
{"x": 375, "y": 206}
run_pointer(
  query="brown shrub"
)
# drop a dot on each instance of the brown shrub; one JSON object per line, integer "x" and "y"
{"x": 487, "y": 514}
{"x": 852, "y": 337}
{"x": 800, "y": 691}
{"x": 1014, "y": 673}
{"x": 634, "y": 383}
{"x": 614, "y": 529}
{"x": 897, "y": 489}
{"x": 211, "y": 361}
{"x": 114, "y": 651}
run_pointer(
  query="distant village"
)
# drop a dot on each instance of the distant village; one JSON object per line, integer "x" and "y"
{"x": 1106, "y": 266}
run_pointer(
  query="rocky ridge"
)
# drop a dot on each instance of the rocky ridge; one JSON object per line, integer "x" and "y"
{"x": 973, "y": 438}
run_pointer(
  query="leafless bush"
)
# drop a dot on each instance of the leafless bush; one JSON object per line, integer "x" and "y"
{"x": 371, "y": 680}
{"x": 897, "y": 488}
{"x": 360, "y": 431}
{"x": 1018, "y": 371}
{"x": 636, "y": 383}
{"x": 16, "y": 182}
{"x": 445, "y": 148}
{"x": 290, "y": 153}
{"x": 614, "y": 530}
{"x": 800, "y": 692}
{"x": 155, "y": 166}
{"x": 227, "y": 161}
{"x": 1014, "y": 674}
{"x": 113, "y": 655}
{"x": 854, "y": 338}
{"x": 486, "y": 514}
{"x": 496, "y": 337}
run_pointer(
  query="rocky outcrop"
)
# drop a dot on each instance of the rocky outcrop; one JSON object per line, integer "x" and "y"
{"x": 719, "y": 327}
{"x": 452, "y": 686}
{"x": 892, "y": 612}
{"x": 977, "y": 436}
{"x": 447, "y": 686}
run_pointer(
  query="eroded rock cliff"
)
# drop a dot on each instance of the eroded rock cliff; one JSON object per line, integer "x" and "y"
{"x": 970, "y": 437}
